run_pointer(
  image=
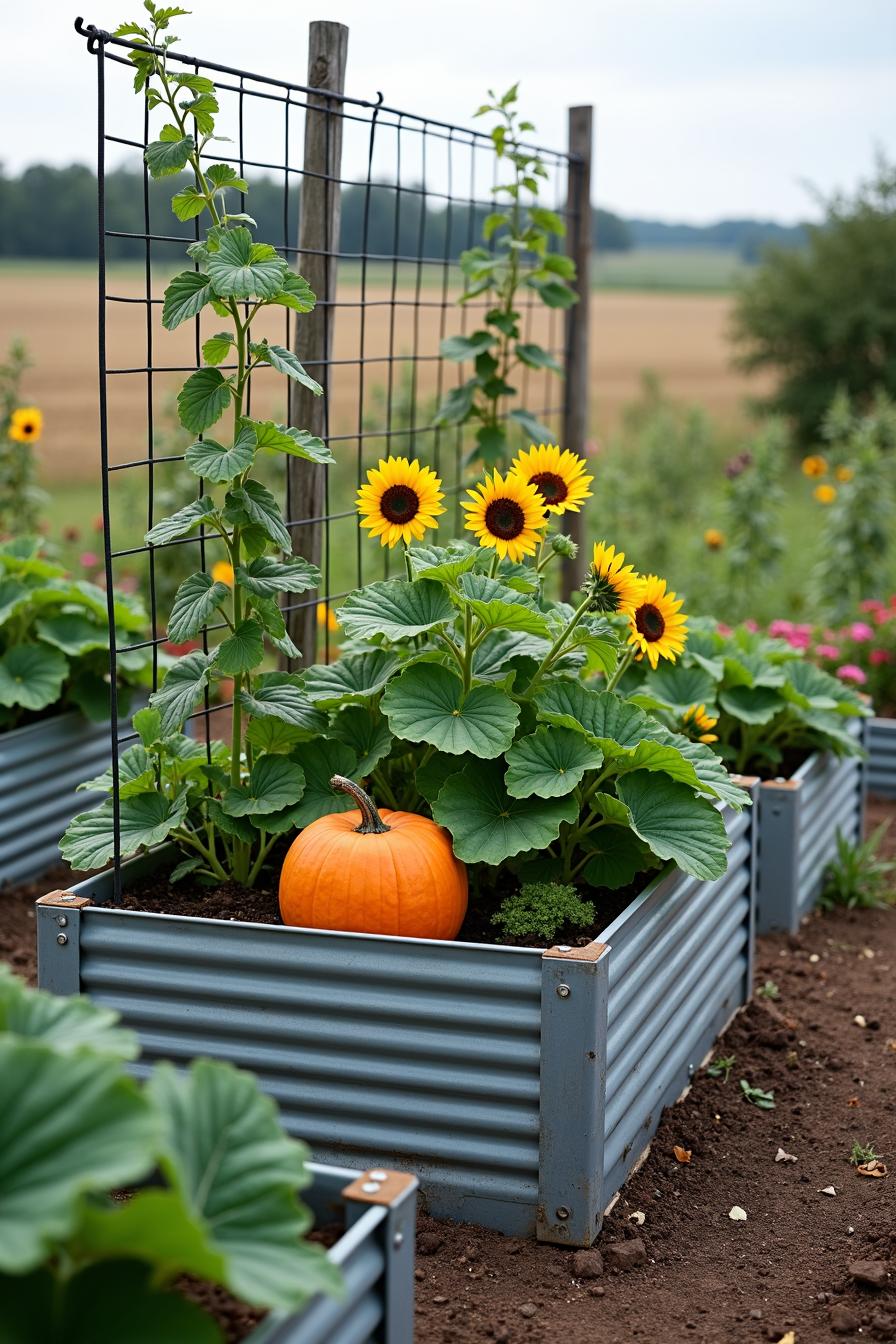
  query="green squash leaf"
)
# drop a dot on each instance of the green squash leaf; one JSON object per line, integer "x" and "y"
{"x": 322, "y": 760}
{"x": 146, "y": 820}
{"x": 67, "y": 1024}
{"x": 396, "y": 609}
{"x": 367, "y": 733}
{"x": 72, "y": 634}
{"x": 357, "y": 676}
{"x": 168, "y": 156}
{"x": 179, "y": 693}
{"x": 213, "y": 462}
{"x": 243, "y": 269}
{"x": 752, "y": 704}
{"x": 203, "y": 399}
{"x": 499, "y": 607}
{"x": 618, "y": 856}
{"x": 549, "y": 763}
{"x": 181, "y": 523}
{"x": 274, "y": 783}
{"x": 185, "y": 297}
{"x": 679, "y": 687}
{"x": 266, "y": 576}
{"x": 675, "y": 823}
{"x": 31, "y": 675}
{"x": 254, "y": 503}
{"x": 427, "y": 704}
{"x": 442, "y": 563}
{"x": 136, "y": 774}
{"x": 286, "y": 362}
{"x": 487, "y": 825}
{"x": 277, "y": 695}
{"x": 242, "y": 651}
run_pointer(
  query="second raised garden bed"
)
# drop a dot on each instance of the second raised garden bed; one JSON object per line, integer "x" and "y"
{"x": 520, "y": 1085}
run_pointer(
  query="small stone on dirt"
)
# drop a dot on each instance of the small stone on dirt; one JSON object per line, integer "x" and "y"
{"x": 528, "y": 1309}
{"x": 781, "y": 1156}
{"x": 587, "y": 1265}
{"x": 843, "y": 1321}
{"x": 828, "y": 1190}
{"x": 737, "y": 1214}
{"x": 428, "y": 1243}
{"x": 625, "y": 1254}
{"x": 872, "y": 1273}
{"x": 859, "y": 1020}
{"x": 637, "y": 1217}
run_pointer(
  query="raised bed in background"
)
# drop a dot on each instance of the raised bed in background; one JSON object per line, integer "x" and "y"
{"x": 799, "y": 821}
{"x": 520, "y": 1085}
{"x": 41, "y": 766}
{"x": 880, "y": 743}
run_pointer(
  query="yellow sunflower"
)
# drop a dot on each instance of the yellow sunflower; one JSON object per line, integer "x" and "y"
{"x": 814, "y": 465}
{"x": 507, "y": 514}
{"x": 222, "y": 572}
{"x": 825, "y": 494}
{"x": 658, "y": 627}
{"x": 559, "y": 477}
{"x": 25, "y": 424}
{"x": 844, "y": 474}
{"x": 713, "y": 539}
{"x": 614, "y": 586}
{"x": 697, "y": 723}
{"x": 400, "y": 501}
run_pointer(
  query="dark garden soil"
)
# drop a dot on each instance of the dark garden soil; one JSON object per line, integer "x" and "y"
{"x": 818, "y": 1264}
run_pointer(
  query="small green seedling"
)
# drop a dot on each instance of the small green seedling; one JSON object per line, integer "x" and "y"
{"x": 755, "y": 1095}
{"x": 721, "y": 1067}
{"x": 768, "y": 991}
{"x": 862, "y": 1153}
{"x": 858, "y": 877}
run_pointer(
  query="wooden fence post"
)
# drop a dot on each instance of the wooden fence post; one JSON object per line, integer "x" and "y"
{"x": 578, "y": 246}
{"x": 320, "y": 212}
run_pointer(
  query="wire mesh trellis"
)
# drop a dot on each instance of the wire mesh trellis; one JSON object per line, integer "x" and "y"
{"x": 413, "y": 192}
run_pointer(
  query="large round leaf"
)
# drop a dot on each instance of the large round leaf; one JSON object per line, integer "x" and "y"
{"x": 278, "y": 695}
{"x": 396, "y": 609}
{"x": 487, "y": 825}
{"x": 31, "y": 675}
{"x": 443, "y": 563}
{"x": 752, "y": 704}
{"x": 69, "y": 1124}
{"x": 266, "y": 576}
{"x": 178, "y": 694}
{"x": 679, "y": 687}
{"x": 320, "y": 762}
{"x": 242, "y": 651}
{"x": 427, "y": 704}
{"x": 357, "y": 676}
{"x": 273, "y": 784}
{"x": 617, "y": 857}
{"x": 73, "y": 633}
{"x": 203, "y": 399}
{"x": 68, "y": 1024}
{"x": 242, "y": 268}
{"x": 238, "y": 1173}
{"x": 709, "y": 769}
{"x": 675, "y": 823}
{"x": 364, "y": 729}
{"x": 549, "y": 763}
{"x": 146, "y": 819}
{"x": 498, "y": 607}
{"x": 599, "y": 715}
{"x": 215, "y": 462}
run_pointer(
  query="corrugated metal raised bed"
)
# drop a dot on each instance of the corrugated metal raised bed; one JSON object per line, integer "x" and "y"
{"x": 519, "y": 1084}
{"x": 375, "y": 1254}
{"x": 880, "y": 743}
{"x": 41, "y": 766}
{"x": 799, "y": 821}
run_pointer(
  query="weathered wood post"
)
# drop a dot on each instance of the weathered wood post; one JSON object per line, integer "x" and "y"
{"x": 320, "y": 211}
{"x": 578, "y": 246}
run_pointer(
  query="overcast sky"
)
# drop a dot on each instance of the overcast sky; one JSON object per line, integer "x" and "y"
{"x": 704, "y": 108}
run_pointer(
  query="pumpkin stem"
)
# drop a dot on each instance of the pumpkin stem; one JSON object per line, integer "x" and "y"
{"x": 371, "y": 821}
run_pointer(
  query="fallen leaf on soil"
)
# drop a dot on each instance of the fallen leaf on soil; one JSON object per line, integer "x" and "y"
{"x": 828, "y": 1190}
{"x": 859, "y": 1020}
{"x": 891, "y": 1045}
{"x": 868, "y": 952}
{"x": 873, "y": 1168}
{"x": 781, "y": 1156}
{"x": 637, "y": 1217}
{"x": 681, "y": 1154}
{"x": 737, "y": 1214}
{"x": 789, "y": 1338}
{"x": 853, "y": 1101}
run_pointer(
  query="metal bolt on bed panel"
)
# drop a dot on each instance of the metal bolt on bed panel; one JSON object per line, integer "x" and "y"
{"x": 371, "y": 1187}
{"x": 398, "y": 1240}
{"x": 376, "y": 1175}
{"x": 562, "y": 1213}
{"x": 563, "y": 991}
{"x": 61, "y": 939}
{"x": 62, "y": 921}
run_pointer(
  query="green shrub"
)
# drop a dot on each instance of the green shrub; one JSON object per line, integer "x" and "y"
{"x": 541, "y": 908}
{"x": 859, "y": 877}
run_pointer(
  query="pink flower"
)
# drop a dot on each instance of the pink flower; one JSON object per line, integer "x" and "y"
{"x": 849, "y": 672}
{"x": 861, "y": 632}
{"x": 751, "y": 625}
{"x": 871, "y": 604}
{"x": 723, "y": 629}
{"x": 799, "y": 638}
{"x": 877, "y": 657}
{"x": 827, "y": 651}
{"x": 780, "y": 629}
{"x": 89, "y": 559}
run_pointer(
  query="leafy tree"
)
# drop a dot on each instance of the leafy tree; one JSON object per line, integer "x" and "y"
{"x": 826, "y": 317}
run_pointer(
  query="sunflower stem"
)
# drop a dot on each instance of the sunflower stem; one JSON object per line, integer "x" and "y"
{"x": 557, "y": 645}
{"x": 622, "y": 667}
{"x": 407, "y": 562}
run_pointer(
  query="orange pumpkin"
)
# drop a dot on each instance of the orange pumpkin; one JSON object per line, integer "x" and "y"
{"x": 373, "y": 872}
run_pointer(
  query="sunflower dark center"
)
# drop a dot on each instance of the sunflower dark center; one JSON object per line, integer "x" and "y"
{"x": 505, "y": 519}
{"x": 28, "y": 427}
{"x": 550, "y": 486}
{"x": 650, "y": 623}
{"x": 399, "y": 504}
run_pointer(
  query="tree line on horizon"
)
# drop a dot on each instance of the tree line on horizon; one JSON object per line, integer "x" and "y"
{"x": 50, "y": 212}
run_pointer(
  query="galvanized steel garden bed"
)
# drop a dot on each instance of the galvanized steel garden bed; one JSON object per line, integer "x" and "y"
{"x": 880, "y": 743}
{"x": 41, "y": 766}
{"x": 520, "y": 1085}
{"x": 799, "y": 820}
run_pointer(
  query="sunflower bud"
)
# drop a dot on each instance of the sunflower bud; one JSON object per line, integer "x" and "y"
{"x": 562, "y": 545}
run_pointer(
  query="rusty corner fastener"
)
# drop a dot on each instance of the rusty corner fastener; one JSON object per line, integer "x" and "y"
{"x": 65, "y": 900}
{"x": 590, "y": 952}
{"x": 379, "y": 1186}
{"x": 792, "y": 784}
{"x": 745, "y": 781}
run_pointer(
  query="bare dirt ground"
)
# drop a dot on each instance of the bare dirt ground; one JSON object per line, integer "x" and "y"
{"x": 680, "y": 336}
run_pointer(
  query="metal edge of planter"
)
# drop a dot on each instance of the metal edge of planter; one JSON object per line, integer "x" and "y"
{"x": 41, "y": 765}
{"x": 480, "y": 1068}
{"x": 880, "y": 742}
{"x": 375, "y": 1255}
{"x": 799, "y": 821}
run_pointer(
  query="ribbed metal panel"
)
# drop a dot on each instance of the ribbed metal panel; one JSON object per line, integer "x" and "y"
{"x": 41, "y": 766}
{"x": 370, "y": 1046}
{"x": 880, "y": 742}
{"x": 831, "y": 806}
{"x": 679, "y": 968}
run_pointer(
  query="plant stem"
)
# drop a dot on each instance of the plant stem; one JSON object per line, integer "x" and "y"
{"x": 557, "y": 645}
{"x": 622, "y": 667}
